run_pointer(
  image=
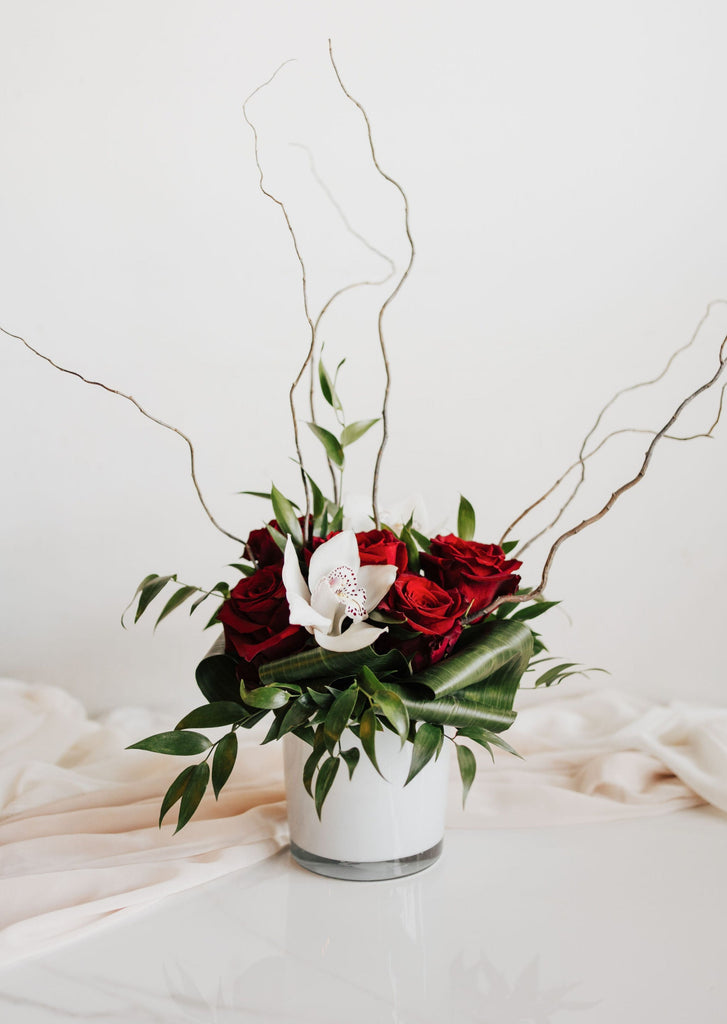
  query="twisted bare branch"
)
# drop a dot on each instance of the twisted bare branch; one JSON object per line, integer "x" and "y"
{"x": 392, "y": 295}
{"x": 660, "y": 435}
{"x": 149, "y": 416}
{"x": 580, "y": 461}
{"x": 309, "y": 355}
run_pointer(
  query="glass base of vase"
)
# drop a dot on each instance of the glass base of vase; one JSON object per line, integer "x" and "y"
{"x": 367, "y": 871}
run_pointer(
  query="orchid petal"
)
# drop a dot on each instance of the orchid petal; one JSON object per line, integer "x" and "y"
{"x": 298, "y": 595}
{"x": 357, "y": 636}
{"x": 376, "y": 581}
{"x": 339, "y": 550}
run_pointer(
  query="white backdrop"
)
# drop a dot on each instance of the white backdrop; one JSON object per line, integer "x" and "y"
{"x": 565, "y": 165}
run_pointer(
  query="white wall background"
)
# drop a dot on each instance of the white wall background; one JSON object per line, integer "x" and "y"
{"x": 565, "y": 164}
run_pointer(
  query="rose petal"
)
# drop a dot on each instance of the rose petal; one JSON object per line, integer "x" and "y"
{"x": 359, "y": 635}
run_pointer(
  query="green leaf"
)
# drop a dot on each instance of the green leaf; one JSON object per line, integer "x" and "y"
{"x": 320, "y": 664}
{"x": 367, "y": 735}
{"x": 356, "y": 430}
{"x": 330, "y": 442}
{"x": 144, "y": 583}
{"x": 465, "y": 519}
{"x": 467, "y": 769}
{"x": 393, "y": 707}
{"x": 181, "y": 743}
{"x": 319, "y": 501}
{"x": 209, "y": 716}
{"x": 486, "y": 738}
{"x": 223, "y": 761}
{"x": 246, "y": 570}
{"x": 298, "y": 713}
{"x": 425, "y": 745}
{"x": 454, "y": 710}
{"x": 531, "y": 611}
{"x": 174, "y": 602}
{"x": 267, "y": 697}
{"x": 509, "y": 545}
{"x": 328, "y": 388}
{"x": 412, "y": 551}
{"x": 309, "y": 768}
{"x": 337, "y": 520}
{"x": 278, "y": 537}
{"x": 175, "y": 791}
{"x": 285, "y": 515}
{"x": 351, "y": 757}
{"x": 326, "y": 775}
{"x": 149, "y": 591}
{"x": 193, "y": 793}
{"x": 339, "y": 715}
{"x": 423, "y": 542}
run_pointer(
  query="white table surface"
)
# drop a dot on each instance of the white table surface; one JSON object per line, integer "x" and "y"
{"x": 601, "y": 923}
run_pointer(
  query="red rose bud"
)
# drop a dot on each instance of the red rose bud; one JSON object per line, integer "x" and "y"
{"x": 255, "y": 618}
{"x": 479, "y": 572}
{"x": 381, "y": 547}
{"x": 266, "y": 552}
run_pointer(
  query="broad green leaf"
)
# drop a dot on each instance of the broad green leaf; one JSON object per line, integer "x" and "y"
{"x": 509, "y": 545}
{"x": 285, "y": 515}
{"x": 267, "y": 697}
{"x": 367, "y": 735}
{"x": 149, "y": 591}
{"x": 454, "y": 710}
{"x": 174, "y": 602}
{"x": 216, "y": 674}
{"x": 393, "y": 707}
{"x": 339, "y": 714}
{"x": 425, "y": 745}
{"x": 223, "y": 761}
{"x": 481, "y": 652}
{"x": 182, "y": 743}
{"x": 193, "y": 793}
{"x": 326, "y": 775}
{"x": 317, "y": 663}
{"x": 356, "y": 430}
{"x": 323, "y": 699}
{"x": 330, "y": 442}
{"x": 465, "y": 519}
{"x": 209, "y": 716}
{"x": 351, "y": 757}
{"x": 531, "y": 611}
{"x": 467, "y": 769}
{"x": 278, "y": 537}
{"x": 175, "y": 791}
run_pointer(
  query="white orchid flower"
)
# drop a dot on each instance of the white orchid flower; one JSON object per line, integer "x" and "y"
{"x": 338, "y": 587}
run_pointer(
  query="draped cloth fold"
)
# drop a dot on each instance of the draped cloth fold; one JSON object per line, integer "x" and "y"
{"x": 79, "y": 835}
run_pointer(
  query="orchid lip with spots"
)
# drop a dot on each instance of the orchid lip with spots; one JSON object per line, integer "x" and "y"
{"x": 338, "y": 587}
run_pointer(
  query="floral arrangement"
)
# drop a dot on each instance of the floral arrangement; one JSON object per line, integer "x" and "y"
{"x": 330, "y": 632}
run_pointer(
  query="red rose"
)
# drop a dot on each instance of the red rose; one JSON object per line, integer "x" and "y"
{"x": 381, "y": 547}
{"x": 423, "y": 605}
{"x": 421, "y": 649}
{"x": 479, "y": 572}
{"x": 255, "y": 618}
{"x": 266, "y": 552}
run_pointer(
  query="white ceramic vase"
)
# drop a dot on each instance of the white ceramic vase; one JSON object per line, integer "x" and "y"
{"x": 370, "y": 828}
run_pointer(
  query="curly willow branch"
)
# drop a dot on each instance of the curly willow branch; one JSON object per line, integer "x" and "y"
{"x": 660, "y": 434}
{"x": 304, "y": 281}
{"x": 341, "y": 291}
{"x": 154, "y": 419}
{"x": 392, "y": 295}
{"x": 581, "y": 457}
